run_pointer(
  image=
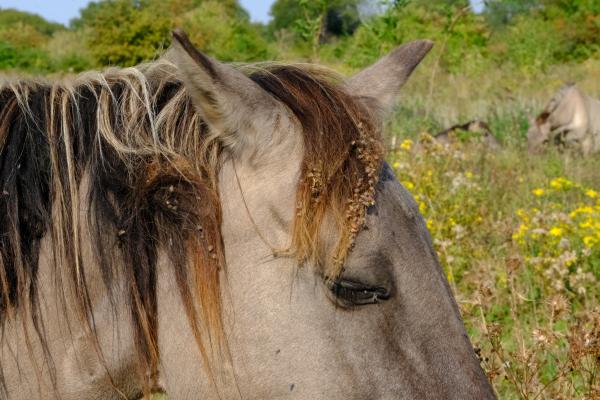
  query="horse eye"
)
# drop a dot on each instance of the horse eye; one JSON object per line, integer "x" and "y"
{"x": 356, "y": 293}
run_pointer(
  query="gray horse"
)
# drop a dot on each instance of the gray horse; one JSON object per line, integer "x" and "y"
{"x": 571, "y": 119}
{"x": 188, "y": 227}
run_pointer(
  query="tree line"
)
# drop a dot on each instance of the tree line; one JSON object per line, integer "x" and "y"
{"x": 525, "y": 34}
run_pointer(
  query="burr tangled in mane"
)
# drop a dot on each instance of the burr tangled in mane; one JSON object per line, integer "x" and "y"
{"x": 128, "y": 146}
{"x": 342, "y": 160}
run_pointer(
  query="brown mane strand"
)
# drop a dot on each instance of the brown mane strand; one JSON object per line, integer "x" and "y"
{"x": 342, "y": 159}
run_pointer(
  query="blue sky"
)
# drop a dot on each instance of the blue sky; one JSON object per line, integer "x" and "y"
{"x": 63, "y": 10}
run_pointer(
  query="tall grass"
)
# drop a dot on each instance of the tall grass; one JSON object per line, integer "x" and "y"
{"x": 504, "y": 97}
{"x": 518, "y": 235}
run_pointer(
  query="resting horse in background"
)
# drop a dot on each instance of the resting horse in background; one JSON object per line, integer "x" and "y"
{"x": 570, "y": 120}
{"x": 220, "y": 235}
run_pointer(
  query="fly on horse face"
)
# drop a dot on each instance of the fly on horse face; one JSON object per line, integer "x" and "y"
{"x": 218, "y": 233}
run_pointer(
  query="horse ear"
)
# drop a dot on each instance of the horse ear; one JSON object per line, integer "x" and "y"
{"x": 227, "y": 99}
{"x": 382, "y": 81}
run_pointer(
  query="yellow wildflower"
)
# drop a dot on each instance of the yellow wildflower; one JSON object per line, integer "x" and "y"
{"x": 469, "y": 174}
{"x": 523, "y": 228}
{"x": 429, "y": 224}
{"x": 408, "y": 184}
{"x": 556, "y": 231}
{"x": 396, "y": 165}
{"x": 589, "y": 241}
{"x": 581, "y": 210}
{"x": 406, "y": 144}
{"x": 523, "y": 215}
{"x": 591, "y": 193}
{"x": 560, "y": 183}
{"x": 538, "y": 192}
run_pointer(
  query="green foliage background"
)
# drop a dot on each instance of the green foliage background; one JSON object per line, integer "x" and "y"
{"x": 518, "y": 235}
{"x": 527, "y": 35}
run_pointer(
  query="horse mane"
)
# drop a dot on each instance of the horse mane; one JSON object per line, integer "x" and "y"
{"x": 149, "y": 164}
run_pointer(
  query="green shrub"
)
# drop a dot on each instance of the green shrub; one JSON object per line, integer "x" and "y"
{"x": 337, "y": 17}
{"x": 10, "y": 17}
{"x": 26, "y": 59}
{"x": 225, "y": 35}
{"x": 123, "y": 32}
{"x": 459, "y": 34}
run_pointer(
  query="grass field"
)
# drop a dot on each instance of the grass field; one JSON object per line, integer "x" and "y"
{"x": 518, "y": 235}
